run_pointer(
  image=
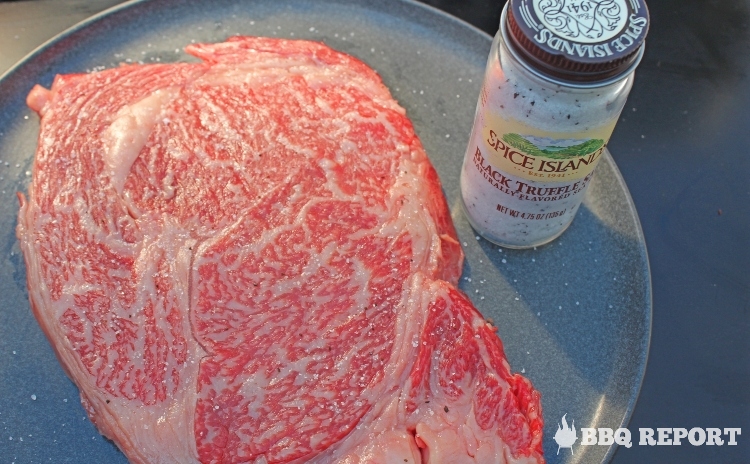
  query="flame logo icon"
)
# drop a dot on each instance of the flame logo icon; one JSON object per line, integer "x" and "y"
{"x": 565, "y": 436}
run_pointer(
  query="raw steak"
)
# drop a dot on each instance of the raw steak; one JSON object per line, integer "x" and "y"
{"x": 250, "y": 259}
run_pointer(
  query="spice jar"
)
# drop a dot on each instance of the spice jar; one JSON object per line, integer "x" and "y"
{"x": 557, "y": 78}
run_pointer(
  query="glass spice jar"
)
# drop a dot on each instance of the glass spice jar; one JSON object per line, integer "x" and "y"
{"x": 557, "y": 78}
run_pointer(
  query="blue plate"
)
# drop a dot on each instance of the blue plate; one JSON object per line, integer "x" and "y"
{"x": 575, "y": 315}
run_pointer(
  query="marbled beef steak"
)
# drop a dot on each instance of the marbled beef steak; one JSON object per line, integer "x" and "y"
{"x": 250, "y": 259}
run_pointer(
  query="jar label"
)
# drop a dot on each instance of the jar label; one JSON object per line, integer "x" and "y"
{"x": 532, "y": 154}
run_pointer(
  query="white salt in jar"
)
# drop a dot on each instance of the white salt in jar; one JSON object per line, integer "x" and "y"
{"x": 557, "y": 78}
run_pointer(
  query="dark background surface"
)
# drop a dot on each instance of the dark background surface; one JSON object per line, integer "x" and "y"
{"x": 682, "y": 146}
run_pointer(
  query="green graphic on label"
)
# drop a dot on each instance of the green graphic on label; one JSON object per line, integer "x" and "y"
{"x": 551, "y": 151}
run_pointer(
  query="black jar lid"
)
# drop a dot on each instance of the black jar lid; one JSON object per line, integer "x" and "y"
{"x": 582, "y": 41}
